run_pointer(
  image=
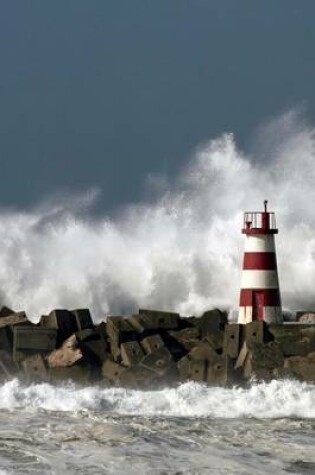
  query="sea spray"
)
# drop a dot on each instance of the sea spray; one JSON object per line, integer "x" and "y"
{"x": 276, "y": 399}
{"x": 182, "y": 252}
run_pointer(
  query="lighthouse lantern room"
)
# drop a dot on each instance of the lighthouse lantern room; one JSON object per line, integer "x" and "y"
{"x": 260, "y": 294}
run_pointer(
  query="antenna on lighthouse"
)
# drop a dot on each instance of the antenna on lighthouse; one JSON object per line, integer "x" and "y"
{"x": 260, "y": 294}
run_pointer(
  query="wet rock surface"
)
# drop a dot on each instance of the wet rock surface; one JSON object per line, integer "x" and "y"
{"x": 153, "y": 349}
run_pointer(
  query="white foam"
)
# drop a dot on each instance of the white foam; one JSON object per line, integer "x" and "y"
{"x": 182, "y": 252}
{"x": 277, "y": 399}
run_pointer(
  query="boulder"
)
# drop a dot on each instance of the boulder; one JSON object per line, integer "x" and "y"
{"x": 305, "y": 317}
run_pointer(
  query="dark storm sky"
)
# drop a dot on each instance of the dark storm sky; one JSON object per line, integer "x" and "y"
{"x": 100, "y": 93}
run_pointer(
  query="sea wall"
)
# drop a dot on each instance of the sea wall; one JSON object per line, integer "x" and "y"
{"x": 152, "y": 349}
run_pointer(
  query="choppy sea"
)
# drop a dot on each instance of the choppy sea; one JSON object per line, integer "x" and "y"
{"x": 193, "y": 429}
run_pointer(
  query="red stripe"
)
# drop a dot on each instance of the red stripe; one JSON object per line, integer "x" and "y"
{"x": 260, "y": 261}
{"x": 271, "y": 297}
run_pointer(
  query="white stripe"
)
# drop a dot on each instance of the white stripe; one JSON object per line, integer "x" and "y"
{"x": 270, "y": 315}
{"x": 260, "y": 243}
{"x": 260, "y": 279}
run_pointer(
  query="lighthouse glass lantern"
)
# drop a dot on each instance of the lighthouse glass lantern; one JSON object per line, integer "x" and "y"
{"x": 260, "y": 294}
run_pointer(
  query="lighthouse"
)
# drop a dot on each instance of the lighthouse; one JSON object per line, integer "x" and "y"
{"x": 260, "y": 294}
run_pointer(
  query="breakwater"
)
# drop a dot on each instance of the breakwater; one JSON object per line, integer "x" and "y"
{"x": 152, "y": 349}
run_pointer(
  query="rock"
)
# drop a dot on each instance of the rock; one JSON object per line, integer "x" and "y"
{"x": 29, "y": 340}
{"x": 131, "y": 353}
{"x": 231, "y": 340}
{"x": 35, "y": 369}
{"x": 152, "y": 343}
{"x": 6, "y": 339}
{"x": 192, "y": 370}
{"x": 67, "y": 355}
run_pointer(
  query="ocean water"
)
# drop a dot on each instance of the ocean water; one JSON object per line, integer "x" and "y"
{"x": 192, "y": 429}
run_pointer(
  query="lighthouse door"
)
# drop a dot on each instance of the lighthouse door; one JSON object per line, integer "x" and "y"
{"x": 258, "y": 305}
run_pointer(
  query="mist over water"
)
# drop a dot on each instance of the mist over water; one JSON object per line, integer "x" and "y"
{"x": 183, "y": 252}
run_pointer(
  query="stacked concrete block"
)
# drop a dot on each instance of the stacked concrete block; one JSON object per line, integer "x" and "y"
{"x": 67, "y": 355}
{"x": 131, "y": 353}
{"x": 29, "y": 340}
{"x": 119, "y": 330}
{"x": 231, "y": 340}
{"x": 148, "y": 321}
{"x": 35, "y": 368}
{"x": 152, "y": 343}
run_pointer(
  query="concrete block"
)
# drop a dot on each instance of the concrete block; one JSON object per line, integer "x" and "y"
{"x": 159, "y": 362}
{"x": 29, "y": 340}
{"x": 254, "y": 332}
{"x": 6, "y": 311}
{"x": 294, "y": 339}
{"x": 203, "y": 351}
{"x": 188, "y": 338}
{"x": 137, "y": 377}
{"x": 111, "y": 371}
{"x": 8, "y": 367}
{"x": 83, "y": 319}
{"x": 119, "y": 330}
{"x": 35, "y": 369}
{"x": 61, "y": 320}
{"x": 152, "y": 343}
{"x": 305, "y": 317}
{"x": 241, "y": 359}
{"x": 192, "y": 370}
{"x": 217, "y": 371}
{"x": 67, "y": 355}
{"x": 263, "y": 357}
{"x": 17, "y": 318}
{"x": 212, "y": 321}
{"x": 131, "y": 353}
{"x": 6, "y": 339}
{"x": 78, "y": 374}
{"x": 302, "y": 368}
{"x": 231, "y": 340}
{"x": 152, "y": 320}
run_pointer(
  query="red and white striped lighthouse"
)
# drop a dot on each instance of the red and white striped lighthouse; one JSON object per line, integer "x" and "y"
{"x": 260, "y": 294}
